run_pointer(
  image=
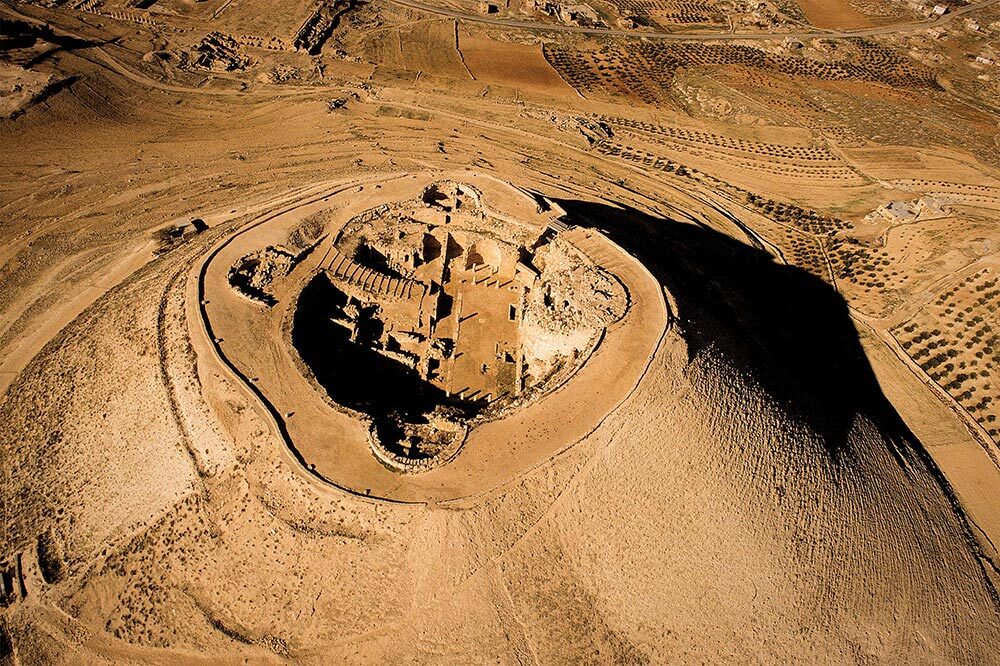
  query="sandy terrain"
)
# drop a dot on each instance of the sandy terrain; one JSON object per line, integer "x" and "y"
{"x": 519, "y": 66}
{"x": 835, "y": 14}
{"x": 785, "y": 450}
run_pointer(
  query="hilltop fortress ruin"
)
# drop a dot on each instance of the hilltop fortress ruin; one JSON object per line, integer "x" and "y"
{"x": 421, "y": 316}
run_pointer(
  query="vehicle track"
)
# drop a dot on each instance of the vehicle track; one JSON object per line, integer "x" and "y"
{"x": 162, "y": 342}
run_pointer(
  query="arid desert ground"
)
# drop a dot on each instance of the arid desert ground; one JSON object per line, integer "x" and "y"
{"x": 499, "y": 332}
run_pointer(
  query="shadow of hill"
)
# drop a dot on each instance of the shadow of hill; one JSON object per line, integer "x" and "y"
{"x": 45, "y": 94}
{"x": 15, "y": 35}
{"x": 784, "y": 328}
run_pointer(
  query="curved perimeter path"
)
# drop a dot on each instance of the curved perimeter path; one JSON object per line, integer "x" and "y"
{"x": 333, "y": 446}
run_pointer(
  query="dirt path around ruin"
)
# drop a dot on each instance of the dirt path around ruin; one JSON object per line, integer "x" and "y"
{"x": 496, "y": 452}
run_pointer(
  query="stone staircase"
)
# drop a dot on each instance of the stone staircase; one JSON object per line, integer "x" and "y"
{"x": 373, "y": 281}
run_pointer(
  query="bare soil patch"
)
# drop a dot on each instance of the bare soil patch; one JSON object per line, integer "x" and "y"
{"x": 833, "y": 14}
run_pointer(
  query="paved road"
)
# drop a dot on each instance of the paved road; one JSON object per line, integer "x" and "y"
{"x": 696, "y": 37}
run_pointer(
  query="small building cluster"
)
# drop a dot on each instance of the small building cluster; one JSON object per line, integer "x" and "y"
{"x": 909, "y": 211}
{"x": 579, "y": 14}
{"x": 928, "y": 8}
